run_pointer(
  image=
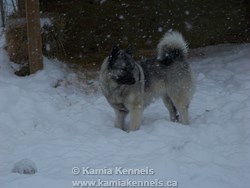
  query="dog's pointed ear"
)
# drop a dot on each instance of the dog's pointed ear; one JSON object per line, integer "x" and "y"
{"x": 114, "y": 52}
{"x": 130, "y": 49}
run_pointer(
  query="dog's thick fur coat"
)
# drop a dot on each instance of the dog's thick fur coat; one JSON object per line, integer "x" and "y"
{"x": 130, "y": 86}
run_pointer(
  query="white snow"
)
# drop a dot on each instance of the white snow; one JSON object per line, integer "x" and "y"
{"x": 102, "y": 1}
{"x": 48, "y": 119}
{"x": 45, "y": 21}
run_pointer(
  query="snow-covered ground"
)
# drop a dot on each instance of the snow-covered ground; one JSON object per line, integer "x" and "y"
{"x": 48, "y": 119}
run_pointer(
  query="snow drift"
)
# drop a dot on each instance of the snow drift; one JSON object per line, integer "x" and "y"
{"x": 58, "y": 128}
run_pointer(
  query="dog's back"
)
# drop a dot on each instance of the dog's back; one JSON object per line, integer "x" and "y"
{"x": 169, "y": 72}
{"x": 169, "y": 76}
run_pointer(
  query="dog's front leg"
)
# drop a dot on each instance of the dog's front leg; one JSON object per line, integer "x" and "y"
{"x": 120, "y": 119}
{"x": 135, "y": 117}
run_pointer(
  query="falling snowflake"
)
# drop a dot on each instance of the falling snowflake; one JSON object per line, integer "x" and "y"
{"x": 187, "y": 12}
{"x": 160, "y": 29}
{"x": 188, "y": 26}
{"x": 121, "y": 17}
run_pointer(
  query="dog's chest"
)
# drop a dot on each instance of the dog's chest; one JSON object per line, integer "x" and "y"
{"x": 116, "y": 93}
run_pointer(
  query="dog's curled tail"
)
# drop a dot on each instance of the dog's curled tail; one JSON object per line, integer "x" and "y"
{"x": 172, "y": 47}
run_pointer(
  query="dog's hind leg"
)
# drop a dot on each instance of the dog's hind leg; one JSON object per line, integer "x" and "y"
{"x": 182, "y": 107}
{"x": 183, "y": 110}
{"x": 171, "y": 108}
{"x": 120, "y": 116}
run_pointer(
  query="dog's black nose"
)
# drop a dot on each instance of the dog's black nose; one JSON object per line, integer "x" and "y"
{"x": 126, "y": 80}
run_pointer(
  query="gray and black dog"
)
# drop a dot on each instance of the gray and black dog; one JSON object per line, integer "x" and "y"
{"x": 130, "y": 86}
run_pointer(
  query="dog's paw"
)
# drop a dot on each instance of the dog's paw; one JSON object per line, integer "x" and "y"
{"x": 132, "y": 130}
{"x": 24, "y": 166}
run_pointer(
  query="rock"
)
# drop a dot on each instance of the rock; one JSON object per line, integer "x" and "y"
{"x": 24, "y": 166}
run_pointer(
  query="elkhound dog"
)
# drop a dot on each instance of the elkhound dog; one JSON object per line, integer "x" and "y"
{"x": 129, "y": 85}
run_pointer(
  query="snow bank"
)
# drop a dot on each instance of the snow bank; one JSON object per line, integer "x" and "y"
{"x": 50, "y": 121}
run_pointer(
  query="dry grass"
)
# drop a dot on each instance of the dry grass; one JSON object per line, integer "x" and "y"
{"x": 16, "y": 40}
